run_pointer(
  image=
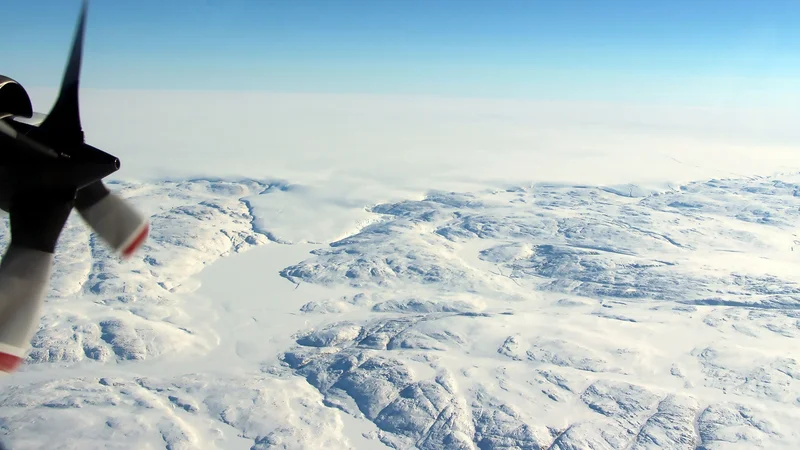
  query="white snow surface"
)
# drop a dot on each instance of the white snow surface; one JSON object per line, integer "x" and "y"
{"x": 357, "y": 272}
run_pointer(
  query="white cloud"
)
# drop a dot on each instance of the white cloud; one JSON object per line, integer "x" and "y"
{"x": 421, "y": 142}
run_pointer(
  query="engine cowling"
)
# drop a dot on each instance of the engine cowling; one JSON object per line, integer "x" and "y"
{"x": 14, "y": 98}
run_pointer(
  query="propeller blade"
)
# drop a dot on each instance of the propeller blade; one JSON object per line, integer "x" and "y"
{"x": 64, "y": 120}
{"x": 117, "y": 223}
{"x": 25, "y": 141}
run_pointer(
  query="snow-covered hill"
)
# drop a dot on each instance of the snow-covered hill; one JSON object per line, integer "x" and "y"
{"x": 519, "y": 317}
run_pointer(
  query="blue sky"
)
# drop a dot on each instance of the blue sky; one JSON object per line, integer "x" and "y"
{"x": 684, "y": 51}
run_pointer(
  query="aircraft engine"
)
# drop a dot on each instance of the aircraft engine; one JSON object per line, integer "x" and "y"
{"x": 14, "y": 98}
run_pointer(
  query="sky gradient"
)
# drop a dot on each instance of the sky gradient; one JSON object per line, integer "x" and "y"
{"x": 707, "y": 53}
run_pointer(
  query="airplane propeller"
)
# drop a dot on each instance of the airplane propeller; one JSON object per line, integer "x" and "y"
{"x": 46, "y": 169}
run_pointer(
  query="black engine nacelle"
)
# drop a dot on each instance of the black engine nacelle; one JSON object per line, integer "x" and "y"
{"x": 14, "y": 99}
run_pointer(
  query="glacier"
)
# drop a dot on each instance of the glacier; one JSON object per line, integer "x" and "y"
{"x": 262, "y": 314}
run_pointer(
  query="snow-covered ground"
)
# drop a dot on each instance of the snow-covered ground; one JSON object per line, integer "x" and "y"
{"x": 362, "y": 303}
